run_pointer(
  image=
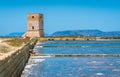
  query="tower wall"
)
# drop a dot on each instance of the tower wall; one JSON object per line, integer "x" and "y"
{"x": 35, "y": 26}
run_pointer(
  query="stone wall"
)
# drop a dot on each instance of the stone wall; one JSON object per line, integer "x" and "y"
{"x": 35, "y": 26}
{"x": 13, "y": 65}
{"x": 66, "y": 38}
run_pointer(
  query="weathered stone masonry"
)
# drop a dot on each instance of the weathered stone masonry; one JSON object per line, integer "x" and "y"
{"x": 35, "y": 26}
{"x": 13, "y": 65}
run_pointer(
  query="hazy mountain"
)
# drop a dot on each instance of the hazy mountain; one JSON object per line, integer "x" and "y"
{"x": 73, "y": 33}
{"x": 19, "y": 34}
{"x": 15, "y": 34}
{"x": 86, "y": 33}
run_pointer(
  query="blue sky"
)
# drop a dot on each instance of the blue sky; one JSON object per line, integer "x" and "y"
{"x": 60, "y": 15}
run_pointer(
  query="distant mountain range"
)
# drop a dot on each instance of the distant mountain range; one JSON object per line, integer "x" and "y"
{"x": 15, "y": 34}
{"x": 95, "y": 33}
{"x": 18, "y": 34}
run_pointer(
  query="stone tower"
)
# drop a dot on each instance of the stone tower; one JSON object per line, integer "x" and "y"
{"x": 35, "y": 26}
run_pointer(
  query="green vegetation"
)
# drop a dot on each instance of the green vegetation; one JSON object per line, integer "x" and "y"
{"x": 16, "y": 42}
{"x": 4, "y": 49}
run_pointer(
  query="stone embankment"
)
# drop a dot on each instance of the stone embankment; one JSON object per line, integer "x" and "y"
{"x": 80, "y": 55}
{"x": 13, "y": 65}
{"x": 66, "y": 38}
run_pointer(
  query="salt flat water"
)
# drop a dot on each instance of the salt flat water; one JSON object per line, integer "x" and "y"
{"x": 47, "y": 66}
{"x": 80, "y": 47}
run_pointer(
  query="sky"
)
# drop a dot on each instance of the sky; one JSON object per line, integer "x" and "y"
{"x": 60, "y": 15}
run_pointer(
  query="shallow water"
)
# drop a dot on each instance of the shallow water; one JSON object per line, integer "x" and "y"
{"x": 80, "y": 47}
{"x": 40, "y": 66}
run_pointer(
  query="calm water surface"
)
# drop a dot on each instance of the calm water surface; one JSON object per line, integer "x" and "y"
{"x": 40, "y": 66}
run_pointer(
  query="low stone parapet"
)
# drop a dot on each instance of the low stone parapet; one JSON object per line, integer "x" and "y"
{"x": 13, "y": 65}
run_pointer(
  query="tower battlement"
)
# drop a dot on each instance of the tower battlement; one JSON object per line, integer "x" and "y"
{"x": 35, "y": 26}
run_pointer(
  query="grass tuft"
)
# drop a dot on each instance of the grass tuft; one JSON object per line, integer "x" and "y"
{"x": 4, "y": 49}
{"x": 17, "y": 42}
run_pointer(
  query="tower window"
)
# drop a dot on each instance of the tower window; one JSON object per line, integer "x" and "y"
{"x": 40, "y": 16}
{"x": 32, "y": 27}
{"x": 33, "y": 17}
